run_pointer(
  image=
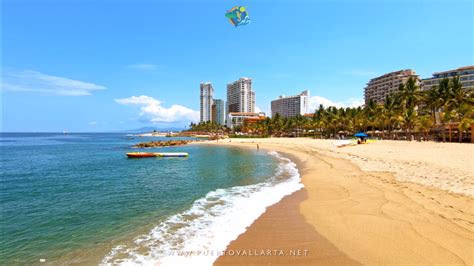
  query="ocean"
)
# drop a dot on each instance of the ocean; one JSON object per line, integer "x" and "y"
{"x": 77, "y": 198}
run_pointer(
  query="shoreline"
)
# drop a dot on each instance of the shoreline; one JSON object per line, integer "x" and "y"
{"x": 294, "y": 241}
{"x": 353, "y": 216}
{"x": 106, "y": 251}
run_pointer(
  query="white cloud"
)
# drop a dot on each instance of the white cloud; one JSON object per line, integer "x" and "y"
{"x": 315, "y": 101}
{"x": 152, "y": 111}
{"x": 146, "y": 67}
{"x": 257, "y": 109}
{"x": 34, "y": 81}
{"x": 93, "y": 123}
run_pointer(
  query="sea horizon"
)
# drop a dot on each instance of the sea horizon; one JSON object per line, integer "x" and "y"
{"x": 237, "y": 133}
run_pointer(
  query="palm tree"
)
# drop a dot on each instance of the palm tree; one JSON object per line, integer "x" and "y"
{"x": 299, "y": 123}
{"x": 408, "y": 97}
{"x": 341, "y": 116}
{"x": 424, "y": 124}
{"x": 409, "y": 108}
{"x": 467, "y": 119}
{"x": 315, "y": 123}
{"x": 360, "y": 120}
{"x": 370, "y": 112}
{"x": 444, "y": 95}
{"x": 351, "y": 119}
{"x": 289, "y": 125}
{"x": 433, "y": 101}
{"x": 458, "y": 104}
{"x": 308, "y": 125}
{"x": 277, "y": 123}
{"x": 389, "y": 111}
{"x": 319, "y": 120}
{"x": 329, "y": 121}
{"x": 268, "y": 126}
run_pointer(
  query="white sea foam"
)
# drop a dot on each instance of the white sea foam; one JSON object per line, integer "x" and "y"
{"x": 209, "y": 225}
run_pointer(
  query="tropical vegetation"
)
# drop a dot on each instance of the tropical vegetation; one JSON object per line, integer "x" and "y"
{"x": 408, "y": 113}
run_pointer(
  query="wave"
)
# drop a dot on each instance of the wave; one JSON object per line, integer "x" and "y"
{"x": 200, "y": 234}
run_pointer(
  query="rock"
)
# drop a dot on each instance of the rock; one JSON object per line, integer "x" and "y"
{"x": 152, "y": 144}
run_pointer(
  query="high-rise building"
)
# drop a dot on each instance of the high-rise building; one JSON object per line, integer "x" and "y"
{"x": 291, "y": 106}
{"x": 466, "y": 76}
{"x": 207, "y": 92}
{"x": 386, "y": 85}
{"x": 240, "y": 96}
{"x": 218, "y": 111}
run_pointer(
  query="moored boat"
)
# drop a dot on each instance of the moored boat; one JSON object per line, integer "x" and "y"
{"x": 140, "y": 154}
{"x": 172, "y": 154}
{"x": 156, "y": 154}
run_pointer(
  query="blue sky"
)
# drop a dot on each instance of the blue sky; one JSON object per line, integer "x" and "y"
{"x": 114, "y": 65}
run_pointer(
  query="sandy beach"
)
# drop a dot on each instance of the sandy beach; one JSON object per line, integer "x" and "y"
{"x": 386, "y": 202}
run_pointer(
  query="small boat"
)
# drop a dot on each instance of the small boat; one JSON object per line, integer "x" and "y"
{"x": 140, "y": 154}
{"x": 172, "y": 154}
{"x": 156, "y": 154}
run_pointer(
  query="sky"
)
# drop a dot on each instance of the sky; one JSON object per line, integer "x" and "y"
{"x": 93, "y": 66}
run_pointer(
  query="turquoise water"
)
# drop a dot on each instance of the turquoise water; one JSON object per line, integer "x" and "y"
{"x": 61, "y": 194}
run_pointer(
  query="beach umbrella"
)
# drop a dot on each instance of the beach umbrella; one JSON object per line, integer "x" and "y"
{"x": 361, "y": 135}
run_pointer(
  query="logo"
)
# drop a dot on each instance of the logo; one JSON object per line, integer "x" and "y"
{"x": 238, "y": 16}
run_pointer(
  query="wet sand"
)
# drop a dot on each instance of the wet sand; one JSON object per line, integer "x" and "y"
{"x": 286, "y": 235}
{"x": 348, "y": 216}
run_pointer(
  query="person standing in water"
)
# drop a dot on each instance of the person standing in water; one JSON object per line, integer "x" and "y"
{"x": 258, "y": 148}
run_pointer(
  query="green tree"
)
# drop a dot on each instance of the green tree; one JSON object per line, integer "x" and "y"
{"x": 408, "y": 97}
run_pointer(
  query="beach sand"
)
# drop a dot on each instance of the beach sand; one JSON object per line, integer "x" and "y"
{"x": 385, "y": 202}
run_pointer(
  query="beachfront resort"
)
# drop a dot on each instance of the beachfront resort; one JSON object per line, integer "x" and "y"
{"x": 389, "y": 202}
{"x": 326, "y": 133}
{"x": 398, "y": 105}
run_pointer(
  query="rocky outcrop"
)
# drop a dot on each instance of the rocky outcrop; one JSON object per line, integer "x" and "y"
{"x": 152, "y": 144}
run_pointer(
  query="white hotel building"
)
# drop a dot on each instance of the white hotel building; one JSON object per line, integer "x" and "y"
{"x": 240, "y": 102}
{"x": 386, "y": 85}
{"x": 466, "y": 76}
{"x": 206, "y": 98}
{"x": 240, "y": 96}
{"x": 291, "y": 106}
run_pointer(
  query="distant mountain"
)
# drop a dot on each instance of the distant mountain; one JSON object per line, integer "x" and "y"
{"x": 150, "y": 129}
